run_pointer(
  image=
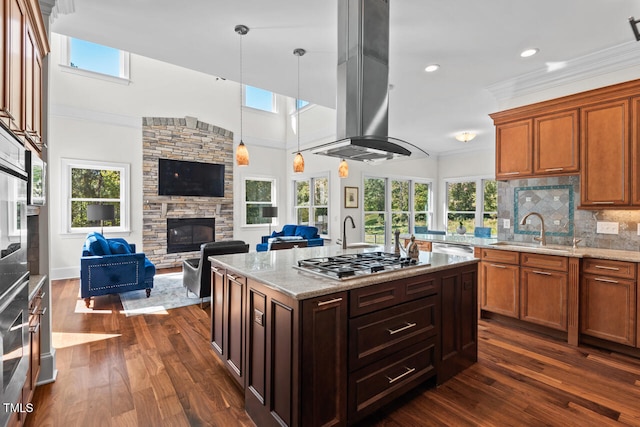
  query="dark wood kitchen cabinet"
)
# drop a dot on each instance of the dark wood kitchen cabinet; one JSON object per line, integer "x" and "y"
{"x": 296, "y": 358}
{"x": 608, "y": 300}
{"x": 459, "y": 329}
{"x": 227, "y": 320}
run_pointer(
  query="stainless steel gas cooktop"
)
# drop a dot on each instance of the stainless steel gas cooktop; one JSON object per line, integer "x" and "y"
{"x": 350, "y": 266}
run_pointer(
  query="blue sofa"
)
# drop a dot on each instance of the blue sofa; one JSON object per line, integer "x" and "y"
{"x": 292, "y": 232}
{"x": 112, "y": 266}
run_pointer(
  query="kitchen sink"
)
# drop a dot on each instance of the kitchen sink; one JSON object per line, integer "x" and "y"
{"x": 547, "y": 248}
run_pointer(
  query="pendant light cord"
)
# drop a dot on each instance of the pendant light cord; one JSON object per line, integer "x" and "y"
{"x": 298, "y": 52}
{"x": 241, "y": 88}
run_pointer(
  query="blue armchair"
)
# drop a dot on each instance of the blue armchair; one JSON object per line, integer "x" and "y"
{"x": 292, "y": 232}
{"x": 111, "y": 266}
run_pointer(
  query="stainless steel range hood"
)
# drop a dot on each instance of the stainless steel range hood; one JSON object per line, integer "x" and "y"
{"x": 363, "y": 83}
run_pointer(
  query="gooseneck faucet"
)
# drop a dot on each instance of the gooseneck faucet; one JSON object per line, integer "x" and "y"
{"x": 542, "y": 239}
{"x": 344, "y": 230}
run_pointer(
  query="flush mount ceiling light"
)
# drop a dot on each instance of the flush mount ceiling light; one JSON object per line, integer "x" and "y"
{"x": 242, "y": 154}
{"x": 529, "y": 52}
{"x": 465, "y": 136}
{"x": 431, "y": 68}
{"x": 298, "y": 160}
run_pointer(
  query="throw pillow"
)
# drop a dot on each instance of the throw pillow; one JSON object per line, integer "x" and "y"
{"x": 289, "y": 230}
{"x": 306, "y": 232}
{"x": 118, "y": 248}
{"x": 98, "y": 244}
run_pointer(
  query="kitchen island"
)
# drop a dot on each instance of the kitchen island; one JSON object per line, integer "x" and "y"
{"x": 312, "y": 350}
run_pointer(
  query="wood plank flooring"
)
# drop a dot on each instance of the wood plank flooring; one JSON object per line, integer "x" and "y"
{"x": 159, "y": 370}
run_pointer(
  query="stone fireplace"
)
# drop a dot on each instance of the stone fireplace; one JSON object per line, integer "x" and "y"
{"x": 184, "y": 138}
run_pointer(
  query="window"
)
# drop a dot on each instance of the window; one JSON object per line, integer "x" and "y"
{"x": 258, "y": 192}
{"x": 259, "y": 99}
{"x": 92, "y": 59}
{"x": 312, "y": 207}
{"x": 89, "y": 182}
{"x": 409, "y": 207}
{"x": 301, "y": 104}
{"x": 463, "y": 209}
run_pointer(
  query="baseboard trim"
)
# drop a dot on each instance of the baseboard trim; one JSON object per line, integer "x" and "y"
{"x": 48, "y": 371}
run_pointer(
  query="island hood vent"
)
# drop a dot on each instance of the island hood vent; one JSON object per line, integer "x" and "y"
{"x": 363, "y": 83}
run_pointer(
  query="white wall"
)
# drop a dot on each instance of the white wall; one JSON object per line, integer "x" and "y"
{"x": 94, "y": 119}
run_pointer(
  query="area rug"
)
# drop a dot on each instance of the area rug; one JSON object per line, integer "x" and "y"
{"x": 167, "y": 293}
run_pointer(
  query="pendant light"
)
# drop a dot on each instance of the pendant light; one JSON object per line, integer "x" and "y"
{"x": 343, "y": 169}
{"x": 242, "y": 155}
{"x": 298, "y": 160}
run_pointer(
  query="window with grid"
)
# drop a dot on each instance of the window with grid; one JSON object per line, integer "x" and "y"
{"x": 311, "y": 205}
{"x": 258, "y": 193}
{"x": 463, "y": 209}
{"x": 88, "y": 183}
{"x": 406, "y": 202}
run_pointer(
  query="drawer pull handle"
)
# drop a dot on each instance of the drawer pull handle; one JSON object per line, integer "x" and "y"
{"x": 399, "y": 377}
{"x": 215, "y": 269}
{"x": 602, "y": 203}
{"x": 497, "y": 266}
{"x": 544, "y": 273}
{"x": 600, "y": 279}
{"x": 403, "y": 328}
{"x": 331, "y": 301}
{"x": 232, "y": 277}
{"x": 604, "y": 267}
{"x": 553, "y": 169}
{"x": 510, "y": 173}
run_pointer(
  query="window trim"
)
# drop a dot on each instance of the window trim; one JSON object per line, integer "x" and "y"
{"x": 125, "y": 204}
{"x": 243, "y": 208}
{"x": 65, "y": 64}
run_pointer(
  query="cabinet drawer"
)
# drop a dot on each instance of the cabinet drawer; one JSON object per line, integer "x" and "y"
{"x": 607, "y": 267}
{"x": 376, "y": 297}
{"x": 496, "y": 255}
{"x": 382, "y": 333}
{"x": 547, "y": 262}
{"x": 381, "y": 382}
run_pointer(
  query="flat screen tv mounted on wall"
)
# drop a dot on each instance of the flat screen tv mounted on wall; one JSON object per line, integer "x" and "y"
{"x": 184, "y": 178}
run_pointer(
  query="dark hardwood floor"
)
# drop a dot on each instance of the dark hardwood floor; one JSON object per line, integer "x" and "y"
{"x": 159, "y": 370}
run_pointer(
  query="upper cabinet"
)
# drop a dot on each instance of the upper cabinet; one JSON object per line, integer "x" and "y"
{"x": 605, "y": 154}
{"x": 513, "y": 150}
{"x": 544, "y": 145}
{"x": 595, "y": 134}
{"x": 24, "y": 42}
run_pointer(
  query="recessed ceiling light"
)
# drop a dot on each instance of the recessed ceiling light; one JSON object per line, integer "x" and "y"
{"x": 431, "y": 68}
{"x": 529, "y": 52}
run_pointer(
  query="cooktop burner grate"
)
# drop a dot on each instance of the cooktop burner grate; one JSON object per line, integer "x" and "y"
{"x": 352, "y": 265}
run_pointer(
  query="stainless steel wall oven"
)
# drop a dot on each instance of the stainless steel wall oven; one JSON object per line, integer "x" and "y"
{"x": 14, "y": 274}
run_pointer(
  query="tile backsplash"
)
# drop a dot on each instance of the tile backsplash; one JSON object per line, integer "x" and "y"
{"x": 557, "y": 199}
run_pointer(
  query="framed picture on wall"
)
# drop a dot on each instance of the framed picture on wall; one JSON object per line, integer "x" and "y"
{"x": 350, "y": 197}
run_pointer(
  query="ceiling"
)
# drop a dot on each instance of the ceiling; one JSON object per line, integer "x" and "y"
{"x": 476, "y": 43}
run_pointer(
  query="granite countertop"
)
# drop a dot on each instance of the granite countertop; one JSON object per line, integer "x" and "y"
{"x": 454, "y": 239}
{"x": 580, "y": 252}
{"x": 276, "y": 269}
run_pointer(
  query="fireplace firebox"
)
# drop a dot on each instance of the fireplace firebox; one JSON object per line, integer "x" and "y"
{"x": 187, "y": 234}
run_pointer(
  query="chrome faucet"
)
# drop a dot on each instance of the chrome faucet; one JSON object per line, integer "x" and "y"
{"x": 344, "y": 230}
{"x": 542, "y": 239}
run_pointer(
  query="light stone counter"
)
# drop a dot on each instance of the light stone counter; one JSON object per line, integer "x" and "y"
{"x": 568, "y": 251}
{"x": 276, "y": 269}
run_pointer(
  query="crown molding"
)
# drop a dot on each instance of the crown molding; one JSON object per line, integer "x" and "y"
{"x": 610, "y": 60}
